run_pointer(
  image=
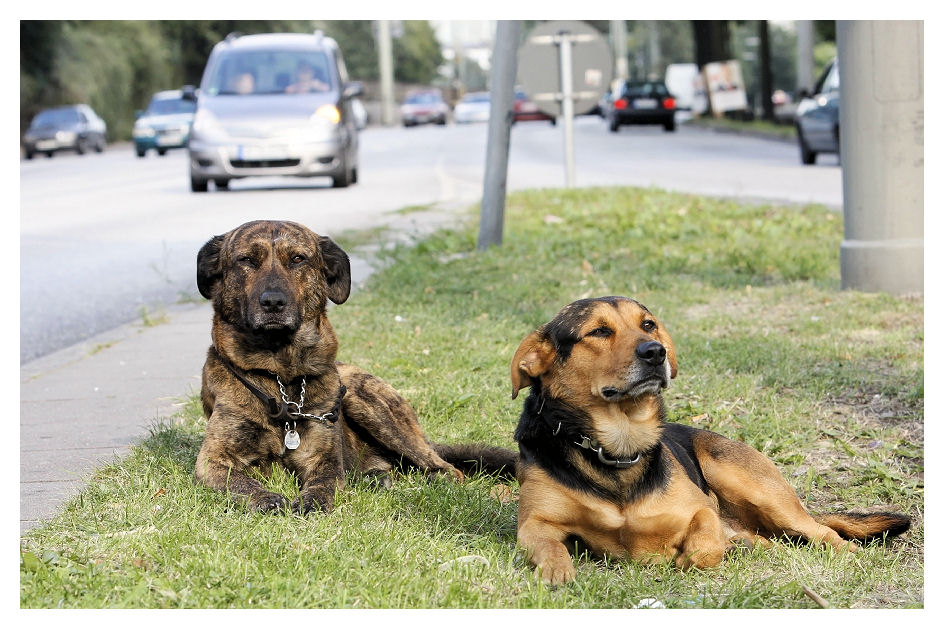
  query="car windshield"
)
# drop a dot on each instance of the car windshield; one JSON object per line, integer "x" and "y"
{"x": 169, "y": 106}
{"x": 475, "y": 98}
{"x": 637, "y": 90}
{"x": 56, "y": 117}
{"x": 423, "y": 98}
{"x": 248, "y": 72}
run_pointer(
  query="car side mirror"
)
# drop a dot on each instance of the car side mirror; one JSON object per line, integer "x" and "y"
{"x": 352, "y": 89}
{"x": 804, "y": 93}
{"x": 189, "y": 92}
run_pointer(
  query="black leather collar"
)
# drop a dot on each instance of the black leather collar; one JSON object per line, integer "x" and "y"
{"x": 277, "y": 410}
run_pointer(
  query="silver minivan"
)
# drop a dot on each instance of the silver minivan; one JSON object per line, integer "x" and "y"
{"x": 273, "y": 104}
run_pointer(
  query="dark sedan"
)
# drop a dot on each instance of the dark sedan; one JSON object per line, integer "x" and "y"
{"x": 70, "y": 128}
{"x": 817, "y": 117}
{"x": 640, "y": 102}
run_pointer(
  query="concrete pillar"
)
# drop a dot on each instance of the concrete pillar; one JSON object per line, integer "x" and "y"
{"x": 881, "y": 121}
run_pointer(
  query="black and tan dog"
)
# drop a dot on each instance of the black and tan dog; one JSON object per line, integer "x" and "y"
{"x": 272, "y": 390}
{"x": 599, "y": 463}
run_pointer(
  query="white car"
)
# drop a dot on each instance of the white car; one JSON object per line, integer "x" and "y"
{"x": 473, "y": 107}
{"x": 274, "y": 105}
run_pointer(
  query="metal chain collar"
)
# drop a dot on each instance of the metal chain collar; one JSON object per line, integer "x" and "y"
{"x": 301, "y": 402}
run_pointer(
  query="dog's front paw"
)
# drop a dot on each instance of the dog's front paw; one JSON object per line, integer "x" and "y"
{"x": 306, "y": 503}
{"x": 556, "y": 571}
{"x": 268, "y": 501}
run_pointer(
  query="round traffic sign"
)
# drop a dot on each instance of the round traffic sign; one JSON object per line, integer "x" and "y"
{"x": 539, "y": 65}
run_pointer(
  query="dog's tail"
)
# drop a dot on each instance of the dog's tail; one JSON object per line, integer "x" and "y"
{"x": 866, "y": 526}
{"x": 475, "y": 458}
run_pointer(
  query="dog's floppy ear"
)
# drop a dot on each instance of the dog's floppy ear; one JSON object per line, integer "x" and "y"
{"x": 209, "y": 270}
{"x": 337, "y": 270}
{"x": 532, "y": 358}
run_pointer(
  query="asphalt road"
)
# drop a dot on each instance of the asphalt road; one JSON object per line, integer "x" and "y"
{"x": 108, "y": 238}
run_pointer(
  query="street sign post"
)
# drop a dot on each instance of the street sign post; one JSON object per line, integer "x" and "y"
{"x": 565, "y": 68}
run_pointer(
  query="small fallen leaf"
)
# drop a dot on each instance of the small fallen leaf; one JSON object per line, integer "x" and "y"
{"x": 502, "y": 493}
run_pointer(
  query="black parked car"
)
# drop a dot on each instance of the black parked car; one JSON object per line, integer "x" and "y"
{"x": 817, "y": 117}
{"x": 640, "y": 102}
{"x": 73, "y": 128}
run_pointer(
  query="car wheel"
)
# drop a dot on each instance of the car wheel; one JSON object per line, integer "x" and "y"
{"x": 140, "y": 152}
{"x": 80, "y": 146}
{"x": 353, "y": 175}
{"x": 162, "y": 152}
{"x": 198, "y": 185}
{"x": 343, "y": 180}
{"x": 100, "y": 145}
{"x": 49, "y": 154}
{"x": 221, "y": 184}
{"x": 553, "y": 122}
{"x": 28, "y": 155}
{"x": 669, "y": 125}
{"x": 614, "y": 124}
{"x": 807, "y": 156}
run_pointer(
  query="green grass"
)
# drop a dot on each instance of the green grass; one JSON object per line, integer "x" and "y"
{"x": 826, "y": 382}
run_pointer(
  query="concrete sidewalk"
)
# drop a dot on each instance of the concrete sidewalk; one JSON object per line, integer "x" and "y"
{"x": 83, "y": 406}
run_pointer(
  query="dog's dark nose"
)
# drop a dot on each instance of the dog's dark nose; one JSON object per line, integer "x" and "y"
{"x": 652, "y": 352}
{"x": 272, "y": 300}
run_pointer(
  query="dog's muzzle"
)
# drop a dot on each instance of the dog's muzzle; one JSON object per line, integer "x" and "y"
{"x": 273, "y": 311}
{"x": 648, "y": 375}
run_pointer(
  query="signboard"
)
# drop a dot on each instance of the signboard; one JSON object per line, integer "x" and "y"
{"x": 725, "y": 86}
{"x": 539, "y": 66}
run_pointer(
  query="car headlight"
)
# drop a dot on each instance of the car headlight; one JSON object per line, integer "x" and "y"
{"x": 327, "y": 113}
{"x": 205, "y": 125}
{"x": 66, "y": 136}
{"x": 142, "y": 131}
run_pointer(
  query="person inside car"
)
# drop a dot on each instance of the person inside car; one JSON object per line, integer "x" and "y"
{"x": 306, "y": 81}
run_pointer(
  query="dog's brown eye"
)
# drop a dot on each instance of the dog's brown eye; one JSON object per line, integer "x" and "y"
{"x": 649, "y": 325}
{"x": 600, "y": 332}
{"x": 298, "y": 259}
{"x": 246, "y": 260}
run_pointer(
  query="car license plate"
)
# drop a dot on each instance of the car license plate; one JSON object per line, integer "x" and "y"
{"x": 45, "y": 145}
{"x": 261, "y": 152}
{"x": 645, "y": 103}
{"x": 170, "y": 139}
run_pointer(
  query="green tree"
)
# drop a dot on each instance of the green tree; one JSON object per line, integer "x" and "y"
{"x": 417, "y": 54}
{"x": 356, "y": 40}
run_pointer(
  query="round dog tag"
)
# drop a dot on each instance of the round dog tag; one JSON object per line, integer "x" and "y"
{"x": 292, "y": 440}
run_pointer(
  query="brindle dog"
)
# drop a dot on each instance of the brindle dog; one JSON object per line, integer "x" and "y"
{"x": 599, "y": 463}
{"x": 272, "y": 391}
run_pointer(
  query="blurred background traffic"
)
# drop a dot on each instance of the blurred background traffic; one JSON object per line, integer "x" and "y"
{"x": 84, "y": 83}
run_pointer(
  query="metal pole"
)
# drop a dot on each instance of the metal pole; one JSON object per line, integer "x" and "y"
{"x": 882, "y": 148}
{"x": 618, "y": 33}
{"x": 805, "y": 78}
{"x": 385, "y": 52}
{"x": 504, "y": 71}
{"x": 567, "y": 105}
